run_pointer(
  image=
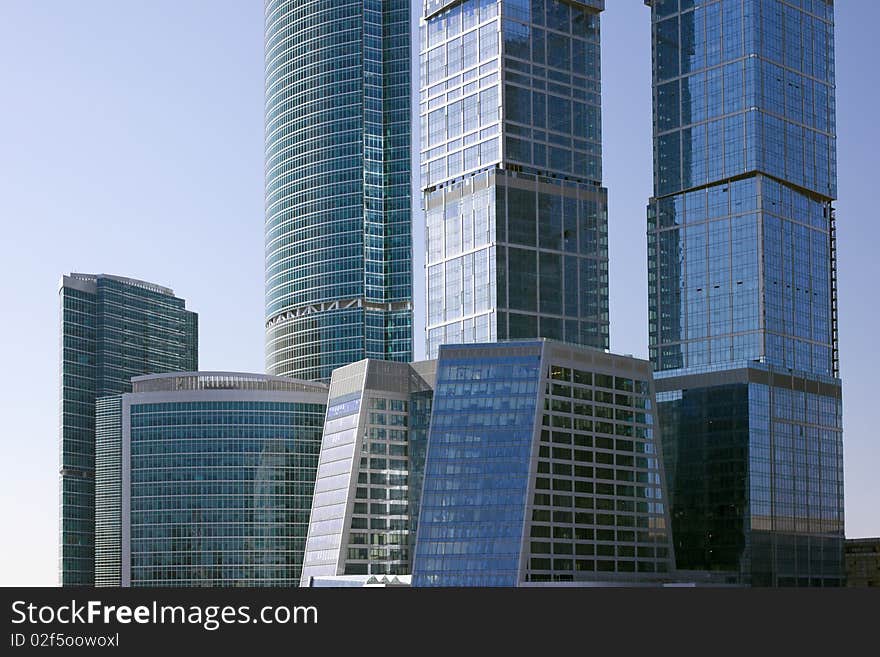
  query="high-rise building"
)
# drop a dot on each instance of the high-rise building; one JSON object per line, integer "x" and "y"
{"x": 112, "y": 329}
{"x": 511, "y": 170}
{"x": 542, "y": 468}
{"x": 206, "y": 479}
{"x": 742, "y": 287}
{"x": 338, "y": 199}
{"x": 365, "y": 509}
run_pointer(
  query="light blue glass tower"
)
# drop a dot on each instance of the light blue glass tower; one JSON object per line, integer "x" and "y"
{"x": 112, "y": 328}
{"x": 742, "y": 287}
{"x": 338, "y": 216}
{"x": 511, "y": 170}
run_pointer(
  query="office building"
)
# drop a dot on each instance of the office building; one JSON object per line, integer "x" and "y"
{"x": 112, "y": 329}
{"x": 743, "y": 287}
{"x": 365, "y": 509}
{"x": 207, "y": 479}
{"x": 338, "y": 199}
{"x": 862, "y": 561}
{"x": 511, "y": 171}
{"x": 542, "y": 468}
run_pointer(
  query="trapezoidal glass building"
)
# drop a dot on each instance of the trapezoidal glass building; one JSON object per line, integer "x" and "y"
{"x": 112, "y": 328}
{"x": 743, "y": 287}
{"x": 206, "y": 479}
{"x": 511, "y": 172}
{"x": 366, "y": 504}
{"x": 338, "y": 199}
{"x": 542, "y": 468}
{"x": 516, "y": 464}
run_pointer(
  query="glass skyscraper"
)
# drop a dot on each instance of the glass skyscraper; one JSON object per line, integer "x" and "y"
{"x": 338, "y": 198}
{"x": 742, "y": 287}
{"x": 112, "y": 329}
{"x": 511, "y": 170}
{"x": 207, "y": 479}
{"x": 542, "y": 468}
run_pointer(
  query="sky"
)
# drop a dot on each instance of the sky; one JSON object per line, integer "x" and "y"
{"x": 131, "y": 143}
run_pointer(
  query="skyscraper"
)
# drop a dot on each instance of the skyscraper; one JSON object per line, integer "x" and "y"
{"x": 542, "y": 467}
{"x": 511, "y": 170}
{"x": 206, "y": 479}
{"x": 112, "y": 329}
{"x": 338, "y": 215}
{"x": 742, "y": 287}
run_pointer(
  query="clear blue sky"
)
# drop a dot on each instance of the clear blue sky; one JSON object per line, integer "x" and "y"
{"x": 131, "y": 143}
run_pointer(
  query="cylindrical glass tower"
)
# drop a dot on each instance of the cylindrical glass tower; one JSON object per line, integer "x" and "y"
{"x": 338, "y": 200}
{"x": 207, "y": 479}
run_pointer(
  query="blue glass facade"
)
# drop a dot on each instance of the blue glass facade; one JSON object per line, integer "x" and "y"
{"x": 473, "y": 507}
{"x": 210, "y": 480}
{"x": 112, "y": 329}
{"x": 542, "y": 467}
{"x": 516, "y": 217}
{"x": 338, "y": 200}
{"x": 741, "y": 228}
{"x": 221, "y": 491}
{"x": 742, "y": 285}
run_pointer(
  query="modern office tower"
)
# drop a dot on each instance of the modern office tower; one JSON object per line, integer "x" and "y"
{"x": 112, "y": 329}
{"x": 365, "y": 508}
{"x": 542, "y": 468}
{"x": 338, "y": 198}
{"x": 206, "y": 479}
{"x": 742, "y": 287}
{"x": 511, "y": 170}
{"x": 862, "y": 562}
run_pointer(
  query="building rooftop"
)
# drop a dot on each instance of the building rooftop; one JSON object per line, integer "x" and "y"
{"x": 520, "y": 344}
{"x": 93, "y": 278}
{"x": 176, "y": 381}
{"x": 862, "y": 545}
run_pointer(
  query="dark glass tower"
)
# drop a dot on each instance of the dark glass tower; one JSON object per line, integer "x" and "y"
{"x": 112, "y": 329}
{"x": 511, "y": 172}
{"x": 338, "y": 216}
{"x": 742, "y": 287}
